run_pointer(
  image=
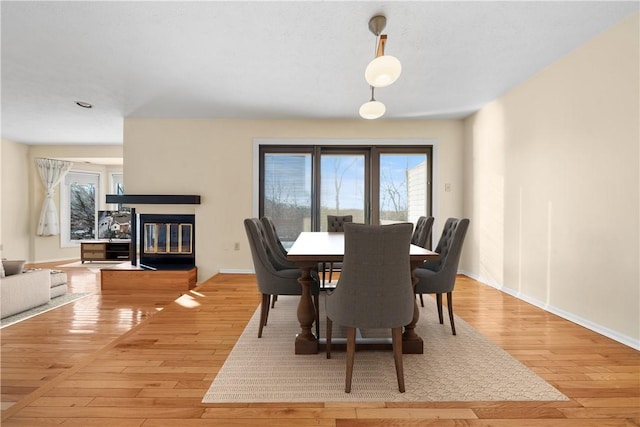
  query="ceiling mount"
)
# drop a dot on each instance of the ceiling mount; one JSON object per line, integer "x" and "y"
{"x": 377, "y": 24}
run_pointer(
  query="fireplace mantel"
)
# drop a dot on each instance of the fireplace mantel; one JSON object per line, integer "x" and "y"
{"x": 154, "y": 199}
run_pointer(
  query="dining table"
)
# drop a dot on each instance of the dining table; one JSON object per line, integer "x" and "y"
{"x": 312, "y": 248}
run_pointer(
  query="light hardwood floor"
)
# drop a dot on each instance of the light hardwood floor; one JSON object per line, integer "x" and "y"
{"x": 146, "y": 359}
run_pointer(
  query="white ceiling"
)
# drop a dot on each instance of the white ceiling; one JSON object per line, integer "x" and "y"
{"x": 290, "y": 60}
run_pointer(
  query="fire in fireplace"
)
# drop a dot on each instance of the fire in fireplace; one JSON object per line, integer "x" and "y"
{"x": 167, "y": 242}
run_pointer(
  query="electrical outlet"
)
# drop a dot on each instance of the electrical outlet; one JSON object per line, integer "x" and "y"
{"x": 236, "y": 246}
{"x": 447, "y": 187}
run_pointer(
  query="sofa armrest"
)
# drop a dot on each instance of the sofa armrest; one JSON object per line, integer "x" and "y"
{"x": 23, "y": 291}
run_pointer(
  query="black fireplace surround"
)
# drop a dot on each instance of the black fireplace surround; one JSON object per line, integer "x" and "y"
{"x": 167, "y": 241}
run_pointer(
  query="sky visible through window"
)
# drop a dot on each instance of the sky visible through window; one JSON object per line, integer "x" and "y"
{"x": 344, "y": 175}
{"x": 394, "y": 184}
{"x": 350, "y": 168}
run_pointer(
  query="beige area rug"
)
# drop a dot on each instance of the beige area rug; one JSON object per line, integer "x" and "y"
{"x": 465, "y": 367}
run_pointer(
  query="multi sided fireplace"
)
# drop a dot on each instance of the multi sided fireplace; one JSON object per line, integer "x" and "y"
{"x": 167, "y": 242}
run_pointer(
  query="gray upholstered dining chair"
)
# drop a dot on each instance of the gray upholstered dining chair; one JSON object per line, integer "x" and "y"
{"x": 374, "y": 290}
{"x": 335, "y": 223}
{"x": 279, "y": 252}
{"x": 277, "y": 249}
{"x": 439, "y": 277}
{"x": 272, "y": 280}
{"x": 422, "y": 233}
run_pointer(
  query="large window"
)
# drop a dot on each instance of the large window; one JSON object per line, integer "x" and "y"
{"x": 300, "y": 185}
{"x": 78, "y": 207}
{"x": 286, "y": 195}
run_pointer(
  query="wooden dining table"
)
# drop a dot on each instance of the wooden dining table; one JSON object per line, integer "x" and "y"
{"x": 312, "y": 248}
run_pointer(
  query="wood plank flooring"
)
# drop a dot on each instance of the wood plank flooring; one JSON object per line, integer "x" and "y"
{"x": 118, "y": 358}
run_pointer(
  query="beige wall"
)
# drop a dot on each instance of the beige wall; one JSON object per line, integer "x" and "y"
{"x": 552, "y": 186}
{"x": 214, "y": 158}
{"x": 14, "y": 200}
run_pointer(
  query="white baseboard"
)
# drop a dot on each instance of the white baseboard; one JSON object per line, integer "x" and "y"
{"x": 236, "y": 271}
{"x": 484, "y": 280}
{"x": 595, "y": 327}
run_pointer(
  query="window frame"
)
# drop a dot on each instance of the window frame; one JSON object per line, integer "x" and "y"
{"x": 375, "y": 174}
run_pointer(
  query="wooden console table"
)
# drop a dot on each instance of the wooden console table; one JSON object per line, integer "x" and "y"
{"x": 97, "y": 250}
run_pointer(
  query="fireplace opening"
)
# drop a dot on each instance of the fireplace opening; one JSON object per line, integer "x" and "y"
{"x": 167, "y": 242}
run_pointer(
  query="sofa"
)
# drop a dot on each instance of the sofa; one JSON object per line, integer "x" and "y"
{"x": 20, "y": 291}
{"x": 58, "y": 283}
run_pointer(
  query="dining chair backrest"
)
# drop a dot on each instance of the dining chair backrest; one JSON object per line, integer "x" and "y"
{"x": 277, "y": 251}
{"x": 270, "y": 280}
{"x": 422, "y": 232}
{"x": 375, "y": 288}
{"x": 335, "y": 223}
{"x": 272, "y": 234}
{"x": 260, "y": 252}
{"x": 449, "y": 246}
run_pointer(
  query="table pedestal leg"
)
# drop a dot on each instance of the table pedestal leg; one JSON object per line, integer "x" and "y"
{"x": 411, "y": 342}
{"x": 306, "y": 341}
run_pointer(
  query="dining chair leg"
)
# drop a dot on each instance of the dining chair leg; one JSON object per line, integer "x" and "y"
{"x": 316, "y": 303}
{"x": 351, "y": 353}
{"x": 421, "y": 301}
{"x": 396, "y": 339}
{"x": 329, "y": 333}
{"x": 330, "y": 271}
{"x": 450, "y": 308}
{"x": 264, "y": 312}
{"x": 266, "y": 317}
{"x": 274, "y": 298}
{"x": 324, "y": 272}
{"x": 439, "y": 304}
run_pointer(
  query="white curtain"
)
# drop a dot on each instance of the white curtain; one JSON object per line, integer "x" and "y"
{"x": 51, "y": 173}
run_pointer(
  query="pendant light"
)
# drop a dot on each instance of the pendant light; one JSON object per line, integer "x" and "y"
{"x": 372, "y": 109}
{"x": 382, "y": 71}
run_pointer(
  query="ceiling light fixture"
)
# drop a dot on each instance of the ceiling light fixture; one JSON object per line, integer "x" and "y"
{"x": 384, "y": 69}
{"x": 372, "y": 109}
{"x": 381, "y": 72}
{"x": 83, "y": 104}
